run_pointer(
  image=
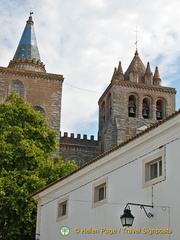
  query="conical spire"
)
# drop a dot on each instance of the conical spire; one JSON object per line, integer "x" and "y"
{"x": 148, "y": 69}
{"x": 27, "y": 54}
{"x": 136, "y": 65}
{"x": 148, "y": 76}
{"x": 120, "y": 70}
{"x": 156, "y": 78}
{"x": 156, "y": 74}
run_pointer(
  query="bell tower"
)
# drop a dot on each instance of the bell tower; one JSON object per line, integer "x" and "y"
{"x": 132, "y": 101}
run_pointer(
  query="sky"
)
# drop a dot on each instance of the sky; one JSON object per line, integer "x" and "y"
{"x": 85, "y": 39}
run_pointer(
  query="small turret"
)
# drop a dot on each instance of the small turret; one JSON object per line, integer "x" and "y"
{"x": 156, "y": 78}
{"x": 148, "y": 76}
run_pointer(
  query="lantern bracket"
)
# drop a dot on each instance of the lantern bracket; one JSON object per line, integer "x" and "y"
{"x": 142, "y": 206}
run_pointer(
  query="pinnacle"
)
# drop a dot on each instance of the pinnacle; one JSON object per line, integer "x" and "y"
{"x": 119, "y": 70}
{"x": 148, "y": 69}
{"x": 156, "y": 74}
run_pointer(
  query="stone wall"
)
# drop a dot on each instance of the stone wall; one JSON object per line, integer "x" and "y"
{"x": 39, "y": 89}
{"x": 81, "y": 147}
{"x": 115, "y": 125}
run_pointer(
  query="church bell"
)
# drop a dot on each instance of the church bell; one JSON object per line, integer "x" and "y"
{"x": 158, "y": 115}
{"x": 158, "y": 112}
{"x": 131, "y": 110}
{"x": 145, "y": 113}
{"x": 145, "y": 110}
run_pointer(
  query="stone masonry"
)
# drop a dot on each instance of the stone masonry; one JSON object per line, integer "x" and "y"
{"x": 82, "y": 149}
{"x": 132, "y": 101}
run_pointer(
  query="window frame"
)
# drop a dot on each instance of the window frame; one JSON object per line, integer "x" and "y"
{"x": 39, "y": 109}
{"x": 21, "y": 87}
{"x": 146, "y": 168}
{"x": 60, "y": 206}
{"x": 96, "y": 196}
{"x": 157, "y": 166}
{"x": 78, "y": 160}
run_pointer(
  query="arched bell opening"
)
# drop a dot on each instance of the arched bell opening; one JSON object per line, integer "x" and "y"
{"x": 159, "y": 110}
{"x": 132, "y": 106}
{"x": 109, "y": 106}
{"x": 145, "y": 108}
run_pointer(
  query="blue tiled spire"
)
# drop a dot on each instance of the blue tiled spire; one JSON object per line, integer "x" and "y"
{"x": 27, "y": 47}
{"x": 27, "y": 55}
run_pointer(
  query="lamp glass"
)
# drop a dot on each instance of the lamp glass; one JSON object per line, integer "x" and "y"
{"x": 127, "y": 218}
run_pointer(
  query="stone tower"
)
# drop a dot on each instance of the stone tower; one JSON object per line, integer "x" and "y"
{"x": 131, "y": 102}
{"x": 26, "y": 74}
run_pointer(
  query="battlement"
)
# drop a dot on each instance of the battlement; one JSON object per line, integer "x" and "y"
{"x": 79, "y": 140}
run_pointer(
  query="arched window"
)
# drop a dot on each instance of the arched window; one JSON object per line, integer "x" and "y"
{"x": 159, "y": 109}
{"x": 109, "y": 105}
{"x": 79, "y": 162}
{"x": 132, "y": 106}
{"x": 103, "y": 112}
{"x": 145, "y": 108}
{"x": 39, "y": 109}
{"x": 17, "y": 86}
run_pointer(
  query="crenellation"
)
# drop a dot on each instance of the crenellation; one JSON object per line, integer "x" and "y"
{"x": 72, "y": 135}
{"x": 78, "y": 138}
{"x": 78, "y": 145}
{"x": 92, "y": 137}
{"x": 132, "y": 101}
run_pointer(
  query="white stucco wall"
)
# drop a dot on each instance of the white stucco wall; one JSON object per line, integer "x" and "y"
{"x": 123, "y": 168}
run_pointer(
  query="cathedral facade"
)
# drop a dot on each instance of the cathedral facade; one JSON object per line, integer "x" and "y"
{"x": 133, "y": 100}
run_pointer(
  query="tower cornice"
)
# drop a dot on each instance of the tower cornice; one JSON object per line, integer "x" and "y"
{"x": 31, "y": 74}
{"x": 137, "y": 86}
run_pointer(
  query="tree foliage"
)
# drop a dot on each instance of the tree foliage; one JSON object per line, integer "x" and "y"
{"x": 26, "y": 144}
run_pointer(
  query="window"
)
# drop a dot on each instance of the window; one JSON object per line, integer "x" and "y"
{"x": 62, "y": 209}
{"x": 62, "y": 212}
{"x": 39, "y": 109}
{"x": 103, "y": 112}
{"x": 153, "y": 169}
{"x": 17, "y": 86}
{"x": 109, "y": 105}
{"x": 100, "y": 193}
{"x": 79, "y": 162}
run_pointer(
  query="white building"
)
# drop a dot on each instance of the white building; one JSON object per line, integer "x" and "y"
{"x": 89, "y": 201}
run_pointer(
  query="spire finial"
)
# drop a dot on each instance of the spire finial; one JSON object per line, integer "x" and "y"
{"x": 136, "y": 38}
{"x": 30, "y": 21}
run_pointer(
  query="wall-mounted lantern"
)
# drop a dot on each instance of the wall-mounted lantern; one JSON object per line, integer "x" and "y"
{"x": 127, "y": 218}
